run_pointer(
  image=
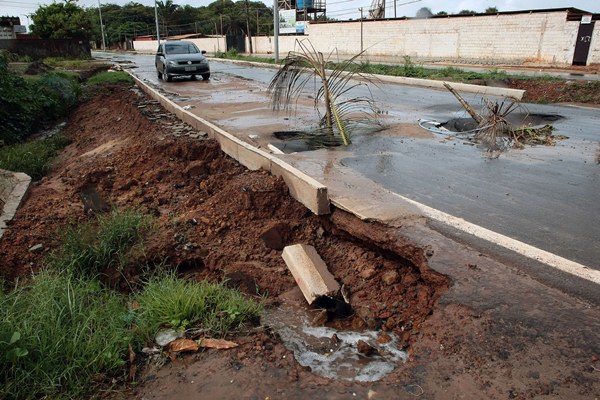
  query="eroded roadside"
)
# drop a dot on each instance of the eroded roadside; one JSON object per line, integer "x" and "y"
{"x": 478, "y": 329}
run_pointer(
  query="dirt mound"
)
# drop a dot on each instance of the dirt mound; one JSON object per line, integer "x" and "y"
{"x": 214, "y": 218}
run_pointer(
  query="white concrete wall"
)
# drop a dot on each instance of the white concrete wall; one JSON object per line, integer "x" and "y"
{"x": 544, "y": 38}
{"x": 211, "y": 45}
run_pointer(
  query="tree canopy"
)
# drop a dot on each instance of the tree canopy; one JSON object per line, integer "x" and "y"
{"x": 61, "y": 20}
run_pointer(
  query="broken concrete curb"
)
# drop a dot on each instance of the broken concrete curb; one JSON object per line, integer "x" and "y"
{"x": 13, "y": 188}
{"x": 302, "y": 187}
{"x": 310, "y": 272}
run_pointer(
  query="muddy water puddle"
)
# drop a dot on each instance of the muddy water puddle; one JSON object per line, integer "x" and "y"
{"x": 334, "y": 353}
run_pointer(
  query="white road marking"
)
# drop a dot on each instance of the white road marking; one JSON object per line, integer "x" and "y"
{"x": 552, "y": 260}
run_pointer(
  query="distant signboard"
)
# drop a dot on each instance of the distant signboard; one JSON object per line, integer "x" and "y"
{"x": 20, "y": 29}
{"x": 586, "y": 19}
{"x": 287, "y": 21}
{"x": 300, "y": 27}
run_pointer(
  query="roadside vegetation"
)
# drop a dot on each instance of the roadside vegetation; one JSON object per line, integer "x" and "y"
{"x": 66, "y": 334}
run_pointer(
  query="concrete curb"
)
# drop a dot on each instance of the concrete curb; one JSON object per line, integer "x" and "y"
{"x": 13, "y": 188}
{"x": 302, "y": 187}
{"x": 428, "y": 83}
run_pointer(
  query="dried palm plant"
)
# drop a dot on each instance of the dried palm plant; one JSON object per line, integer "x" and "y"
{"x": 495, "y": 130}
{"x": 343, "y": 113}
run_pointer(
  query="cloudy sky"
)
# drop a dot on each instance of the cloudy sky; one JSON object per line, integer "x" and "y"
{"x": 342, "y": 9}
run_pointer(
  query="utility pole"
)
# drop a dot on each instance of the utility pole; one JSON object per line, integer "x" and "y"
{"x": 248, "y": 26}
{"x": 276, "y": 29}
{"x": 395, "y": 14}
{"x": 220, "y": 16}
{"x": 101, "y": 27}
{"x": 361, "y": 29}
{"x": 156, "y": 20}
{"x": 257, "y": 24}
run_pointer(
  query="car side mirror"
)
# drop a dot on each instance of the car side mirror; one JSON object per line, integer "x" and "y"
{"x": 203, "y": 52}
{"x": 159, "y": 53}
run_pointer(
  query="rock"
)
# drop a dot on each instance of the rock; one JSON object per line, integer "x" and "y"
{"x": 390, "y": 277}
{"x": 368, "y": 316}
{"x": 368, "y": 273}
{"x": 365, "y": 348}
{"x": 36, "y": 248}
{"x": 383, "y": 338}
{"x": 335, "y": 340}
{"x": 276, "y": 235}
{"x": 320, "y": 318}
{"x": 165, "y": 336}
{"x": 196, "y": 168}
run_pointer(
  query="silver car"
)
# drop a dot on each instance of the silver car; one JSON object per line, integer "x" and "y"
{"x": 181, "y": 58}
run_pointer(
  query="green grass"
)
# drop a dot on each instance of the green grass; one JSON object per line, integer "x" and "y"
{"x": 74, "y": 332}
{"x": 71, "y": 333}
{"x": 65, "y": 63}
{"x": 110, "y": 78}
{"x": 33, "y": 158}
{"x": 409, "y": 69}
{"x": 109, "y": 243}
{"x": 169, "y": 301}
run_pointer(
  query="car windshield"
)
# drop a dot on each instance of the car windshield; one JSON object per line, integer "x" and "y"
{"x": 181, "y": 48}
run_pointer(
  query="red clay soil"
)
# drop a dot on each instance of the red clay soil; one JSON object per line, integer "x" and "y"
{"x": 214, "y": 218}
{"x": 558, "y": 91}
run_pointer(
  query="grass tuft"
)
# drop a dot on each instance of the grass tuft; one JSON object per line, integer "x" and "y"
{"x": 92, "y": 249}
{"x": 180, "y": 304}
{"x": 110, "y": 78}
{"x": 33, "y": 158}
{"x": 72, "y": 333}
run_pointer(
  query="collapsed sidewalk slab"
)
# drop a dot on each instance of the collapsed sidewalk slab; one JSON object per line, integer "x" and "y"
{"x": 310, "y": 272}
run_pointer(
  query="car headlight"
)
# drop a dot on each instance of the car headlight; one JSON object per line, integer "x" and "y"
{"x": 172, "y": 63}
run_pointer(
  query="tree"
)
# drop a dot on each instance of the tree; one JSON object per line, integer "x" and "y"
{"x": 424, "y": 12}
{"x": 167, "y": 11}
{"x": 467, "y": 12}
{"x": 442, "y": 13}
{"x": 61, "y": 20}
{"x": 491, "y": 10}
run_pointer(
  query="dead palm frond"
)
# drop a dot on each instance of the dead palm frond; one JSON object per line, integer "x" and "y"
{"x": 343, "y": 113}
{"x": 495, "y": 130}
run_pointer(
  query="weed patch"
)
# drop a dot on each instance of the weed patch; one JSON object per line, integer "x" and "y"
{"x": 180, "y": 304}
{"x": 33, "y": 158}
{"x": 106, "y": 245}
{"x": 71, "y": 333}
{"x": 110, "y": 78}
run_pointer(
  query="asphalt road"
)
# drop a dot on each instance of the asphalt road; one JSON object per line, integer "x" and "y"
{"x": 547, "y": 197}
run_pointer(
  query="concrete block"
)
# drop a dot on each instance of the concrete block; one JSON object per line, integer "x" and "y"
{"x": 310, "y": 272}
{"x": 14, "y": 186}
{"x": 302, "y": 187}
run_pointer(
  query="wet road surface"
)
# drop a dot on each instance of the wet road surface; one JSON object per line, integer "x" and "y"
{"x": 546, "y": 197}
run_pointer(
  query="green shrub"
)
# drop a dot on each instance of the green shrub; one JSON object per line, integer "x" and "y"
{"x": 70, "y": 332}
{"x": 33, "y": 158}
{"x": 110, "y": 78}
{"x": 61, "y": 91}
{"x": 169, "y": 301}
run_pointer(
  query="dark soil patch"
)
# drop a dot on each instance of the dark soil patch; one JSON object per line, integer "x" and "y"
{"x": 558, "y": 91}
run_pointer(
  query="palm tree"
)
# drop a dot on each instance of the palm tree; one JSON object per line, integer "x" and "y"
{"x": 167, "y": 11}
{"x": 343, "y": 113}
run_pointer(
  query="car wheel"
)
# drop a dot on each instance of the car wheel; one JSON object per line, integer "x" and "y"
{"x": 166, "y": 76}
{"x": 206, "y": 76}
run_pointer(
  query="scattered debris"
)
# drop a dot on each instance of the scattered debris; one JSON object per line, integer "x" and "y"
{"x": 35, "y": 248}
{"x": 166, "y": 336}
{"x": 219, "y": 344}
{"x": 310, "y": 272}
{"x": 183, "y": 345}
